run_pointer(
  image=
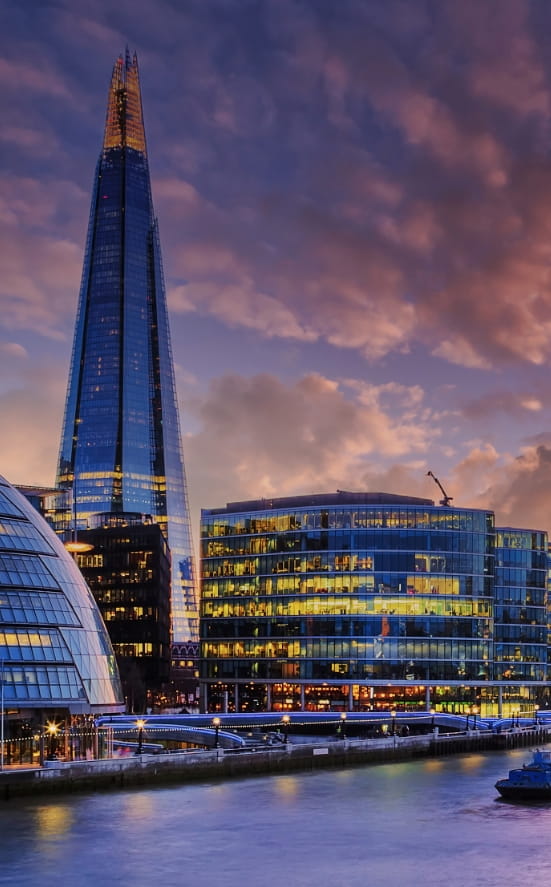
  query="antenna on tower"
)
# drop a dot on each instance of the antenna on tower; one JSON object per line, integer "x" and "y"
{"x": 447, "y": 499}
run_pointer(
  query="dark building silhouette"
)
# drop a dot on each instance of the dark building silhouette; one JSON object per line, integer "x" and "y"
{"x": 128, "y": 572}
{"x": 120, "y": 451}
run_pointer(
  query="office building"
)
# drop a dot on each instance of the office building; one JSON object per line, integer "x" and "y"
{"x": 361, "y": 601}
{"x": 128, "y": 571}
{"x": 520, "y": 609}
{"x": 120, "y": 451}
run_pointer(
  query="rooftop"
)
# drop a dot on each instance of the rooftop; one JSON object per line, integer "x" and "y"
{"x": 321, "y": 500}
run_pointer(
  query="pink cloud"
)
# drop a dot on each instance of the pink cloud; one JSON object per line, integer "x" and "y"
{"x": 13, "y": 349}
{"x": 517, "y": 488}
{"x": 507, "y": 69}
{"x": 33, "y": 74}
{"x": 31, "y": 421}
{"x": 259, "y": 436}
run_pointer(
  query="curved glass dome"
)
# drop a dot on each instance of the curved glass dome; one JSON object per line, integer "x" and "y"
{"x": 54, "y": 648}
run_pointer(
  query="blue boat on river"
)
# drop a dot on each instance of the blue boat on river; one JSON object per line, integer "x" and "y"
{"x": 531, "y": 782}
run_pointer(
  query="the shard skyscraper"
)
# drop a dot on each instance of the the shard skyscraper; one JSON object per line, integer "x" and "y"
{"x": 121, "y": 452}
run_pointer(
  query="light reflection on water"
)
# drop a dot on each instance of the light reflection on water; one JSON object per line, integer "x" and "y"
{"x": 428, "y": 823}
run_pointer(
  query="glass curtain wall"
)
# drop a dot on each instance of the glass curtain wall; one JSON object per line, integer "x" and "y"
{"x": 342, "y": 592}
{"x": 120, "y": 448}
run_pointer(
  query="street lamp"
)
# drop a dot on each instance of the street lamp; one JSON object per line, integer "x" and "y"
{"x": 52, "y": 731}
{"x": 433, "y": 712}
{"x": 393, "y": 716}
{"x": 343, "y": 725}
{"x": 285, "y": 720}
{"x": 475, "y": 712}
{"x": 216, "y": 725}
{"x": 536, "y": 710}
{"x": 140, "y": 724}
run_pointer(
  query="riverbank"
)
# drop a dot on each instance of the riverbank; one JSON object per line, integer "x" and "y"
{"x": 58, "y": 777}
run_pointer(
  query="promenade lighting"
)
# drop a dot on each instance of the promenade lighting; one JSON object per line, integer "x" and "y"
{"x": 343, "y": 725}
{"x": 475, "y": 712}
{"x": 140, "y": 724}
{"x": 432, "y": 712}
{"x": 52, "y": 730}
{"x": 536, "y": 710}
{"x": 216, "y": 725}
{"x": 393, "y": 716}
{"x": 285, "y": 720}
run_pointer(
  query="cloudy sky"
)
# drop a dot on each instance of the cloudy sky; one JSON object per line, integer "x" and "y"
{"x": 354, "y": 199}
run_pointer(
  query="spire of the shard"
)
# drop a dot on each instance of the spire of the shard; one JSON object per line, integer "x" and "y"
{"x": 124, "y": 122}
{"x": 121, "y": 450}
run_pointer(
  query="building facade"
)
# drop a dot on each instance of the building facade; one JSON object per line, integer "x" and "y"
{"x": 359, "y": 601}
{"x": 55, "y": 653}
{"x": 521, "y": 606}
{"x": 120, "y": 449}
{"x": 128, "y": 571}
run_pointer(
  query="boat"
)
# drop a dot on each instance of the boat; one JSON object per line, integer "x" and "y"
{"x": 531, "y": 782}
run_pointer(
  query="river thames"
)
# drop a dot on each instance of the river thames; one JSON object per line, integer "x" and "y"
{"x": 431, "y": 822}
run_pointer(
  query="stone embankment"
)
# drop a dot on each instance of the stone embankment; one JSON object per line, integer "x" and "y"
{"x": 192, "y": 765}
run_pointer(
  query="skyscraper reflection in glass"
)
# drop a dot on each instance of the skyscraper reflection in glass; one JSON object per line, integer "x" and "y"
{"x": 120, "y": 447}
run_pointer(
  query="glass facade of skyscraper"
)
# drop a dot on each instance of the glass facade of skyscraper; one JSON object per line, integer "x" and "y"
{"x": 355, "y": 600}
{"x": 120, "y": 448}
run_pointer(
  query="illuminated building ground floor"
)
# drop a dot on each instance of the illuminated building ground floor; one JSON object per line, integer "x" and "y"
{"x": 491, "y": 699}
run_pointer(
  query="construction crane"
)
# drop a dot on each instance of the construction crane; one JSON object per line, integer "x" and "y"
{"x": 447, "y": 499}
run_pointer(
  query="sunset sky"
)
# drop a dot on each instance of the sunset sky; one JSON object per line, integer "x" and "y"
{"x": 354, "y": 200}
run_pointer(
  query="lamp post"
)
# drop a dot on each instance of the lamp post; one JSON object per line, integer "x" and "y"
{"x": 216, "y": 725}
{"x": 393, "y": 716}
{"x": 536, "y": 710}
{"x": 433, "y": 712}
{"x": 285, "y": 720}
{"x": 343, "y": 725}
{"x": 475, "y": 712}
{"x": 52, "y": 731}
{"x": 140, "y": 724}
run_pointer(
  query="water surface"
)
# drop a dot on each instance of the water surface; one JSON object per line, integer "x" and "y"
{"x": 426, "y": 823}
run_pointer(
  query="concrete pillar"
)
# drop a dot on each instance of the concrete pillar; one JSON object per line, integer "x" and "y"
{"x": 427, "y": 699}
{"x": 302, "y": 697}
{"x": 351, "y": 697}
{"x": 269, "y": 697}
{"x": 203, "y": 698}
{"x": 225, "y": 704}
{"x": 236, "y": 696}
{"x": 500, "y": 702}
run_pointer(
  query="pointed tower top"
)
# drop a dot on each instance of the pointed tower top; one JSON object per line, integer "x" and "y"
{"x": 124, "y": 123}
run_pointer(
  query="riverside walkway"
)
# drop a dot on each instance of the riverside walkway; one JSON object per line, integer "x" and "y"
{"x": 219, "y": 763}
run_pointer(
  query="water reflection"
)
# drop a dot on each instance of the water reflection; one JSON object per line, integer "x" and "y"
{"x": 53, "y": 820}
{"x": 419, "y": 823}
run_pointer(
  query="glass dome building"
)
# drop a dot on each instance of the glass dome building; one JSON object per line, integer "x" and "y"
{"x": 55, "y": 653}
{"x": 358, "y": 601}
